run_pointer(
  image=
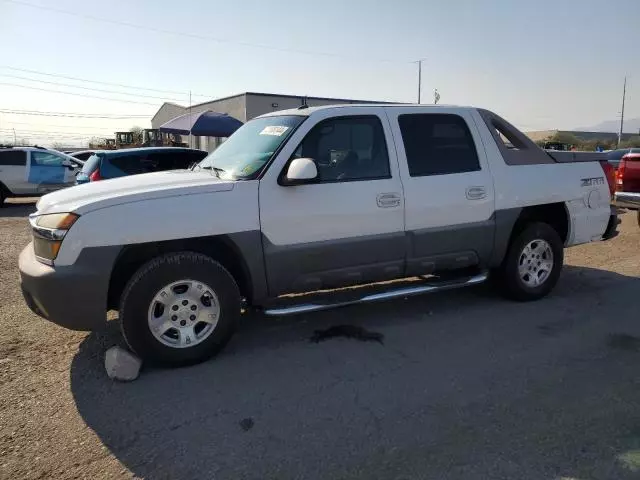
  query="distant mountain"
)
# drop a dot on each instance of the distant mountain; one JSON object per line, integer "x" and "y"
{"x": 631, "y": 125}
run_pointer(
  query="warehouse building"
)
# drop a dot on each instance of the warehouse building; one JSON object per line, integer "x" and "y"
{"x": 244, "y": 107}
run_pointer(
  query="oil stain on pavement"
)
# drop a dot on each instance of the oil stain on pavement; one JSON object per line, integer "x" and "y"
{"x": 347, "y": 331}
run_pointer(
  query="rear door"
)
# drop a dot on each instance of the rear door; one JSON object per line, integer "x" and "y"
{"x": 13, "y": 166}
{"x": 448, "y": 189}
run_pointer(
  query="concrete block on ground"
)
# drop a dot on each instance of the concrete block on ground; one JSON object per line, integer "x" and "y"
{"x": 122, "y": 364}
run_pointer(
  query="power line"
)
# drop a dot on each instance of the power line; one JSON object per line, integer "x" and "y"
{"x": 76, "y": 94}
{"x": 68, "y": 77}
{"x": 88, "y": 88}
{"x": 111, "y": 116}
{"x": 52, "y": 125}
{"x": 202, "y": 37}
{"x": 53, "y": 133}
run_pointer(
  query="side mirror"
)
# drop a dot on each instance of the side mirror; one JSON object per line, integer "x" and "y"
{"x": 301, "y": 171}
{"x": 68, "y": 164}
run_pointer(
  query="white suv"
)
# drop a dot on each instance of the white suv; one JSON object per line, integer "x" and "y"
{"x": 34, "y": 171}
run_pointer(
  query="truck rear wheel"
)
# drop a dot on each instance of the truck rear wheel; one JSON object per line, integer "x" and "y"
{"x": 179, "y": 309}
{"x": 533, "y": 263}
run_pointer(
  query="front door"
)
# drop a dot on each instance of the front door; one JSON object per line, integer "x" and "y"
{"x": 48, "y": 171}
{"x": 348, "y": 227}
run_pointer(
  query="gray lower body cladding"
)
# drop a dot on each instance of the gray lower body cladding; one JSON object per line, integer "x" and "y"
{"x": 74, "y": 297}
{"x": 368, "y": 259}
{"x": 333, "y": 263}
{"x": 449, "y": 248}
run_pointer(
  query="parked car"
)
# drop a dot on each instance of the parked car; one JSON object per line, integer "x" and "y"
{"x": 34, "y": 171}
{"x": 615, "y": 156}
{"x": 310, "y": 199}
{"x": 107, "y": 164}
{"x": 627, "y": 193}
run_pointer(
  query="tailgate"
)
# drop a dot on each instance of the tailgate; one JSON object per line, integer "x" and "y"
{"x": 632, "y": 174}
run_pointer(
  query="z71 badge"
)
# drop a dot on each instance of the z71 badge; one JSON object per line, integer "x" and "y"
{"x": 591, "y": 182}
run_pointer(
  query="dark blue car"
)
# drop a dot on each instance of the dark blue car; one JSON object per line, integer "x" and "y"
{"x": 106, "y": 164}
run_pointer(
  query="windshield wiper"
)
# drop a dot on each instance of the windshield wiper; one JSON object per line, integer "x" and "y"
{"x": 217, "y": 170}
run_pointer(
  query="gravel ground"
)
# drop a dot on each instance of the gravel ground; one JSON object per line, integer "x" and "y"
{"x": 466, "y": 386}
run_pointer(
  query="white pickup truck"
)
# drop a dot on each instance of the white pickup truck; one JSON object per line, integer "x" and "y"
{"x": 307, "y": 200}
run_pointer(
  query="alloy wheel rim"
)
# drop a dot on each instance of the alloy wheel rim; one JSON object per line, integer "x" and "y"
{"x": 183, "y": 314}
{"x": 535, "y": 263}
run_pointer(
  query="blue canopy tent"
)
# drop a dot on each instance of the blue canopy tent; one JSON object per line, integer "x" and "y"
{"x": 203, "y": 124}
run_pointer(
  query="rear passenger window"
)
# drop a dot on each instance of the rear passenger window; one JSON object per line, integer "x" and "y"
{"x": 437, "y": 144}
{"x": 129, "y": 164}
{"x": 13, "y": 157}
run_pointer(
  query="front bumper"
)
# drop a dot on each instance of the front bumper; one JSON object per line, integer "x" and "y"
{"x": 73, "y": 296}
{"x": 630, "y": 200}
{"x": 612, "y": 226}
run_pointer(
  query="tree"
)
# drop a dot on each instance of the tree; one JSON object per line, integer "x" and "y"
{"x": 137, "y": 132}
{"x": 633, "y": 142}
{"x": 564, "y": 137}
{"x": 97, "y": 142}
{"x": 57, "y": 145}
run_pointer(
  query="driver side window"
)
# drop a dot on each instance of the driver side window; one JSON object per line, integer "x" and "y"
{"x": 347, "y": 149}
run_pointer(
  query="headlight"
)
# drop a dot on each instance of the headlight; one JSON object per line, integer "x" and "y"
{"x": 48, "y": 233}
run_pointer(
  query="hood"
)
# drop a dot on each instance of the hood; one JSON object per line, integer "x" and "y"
{"x": 92, "y": 196}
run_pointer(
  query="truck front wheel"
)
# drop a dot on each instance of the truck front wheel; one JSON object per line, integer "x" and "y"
{"x": 533, "y": 263}
{"x": 179, "y": 309}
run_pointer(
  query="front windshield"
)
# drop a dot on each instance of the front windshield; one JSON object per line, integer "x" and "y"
{"x": 251, "y": 146}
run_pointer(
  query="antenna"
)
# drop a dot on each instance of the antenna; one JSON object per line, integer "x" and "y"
{"x": 624, "y": 93}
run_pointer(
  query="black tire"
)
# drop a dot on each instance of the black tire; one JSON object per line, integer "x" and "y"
{"x": 157, "y": 274}
{"x": 3, "y": 195}
{"x": 512, "y": 285}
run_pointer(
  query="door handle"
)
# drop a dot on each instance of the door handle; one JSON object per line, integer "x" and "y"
{"x": 388, "y": 200}
{"x": 476, "y": 193}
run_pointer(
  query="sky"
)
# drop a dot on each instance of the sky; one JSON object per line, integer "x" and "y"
{"x": 541, "y": 64}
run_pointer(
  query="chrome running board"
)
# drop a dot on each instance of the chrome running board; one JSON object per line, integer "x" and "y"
{"x": 376, "y": 297}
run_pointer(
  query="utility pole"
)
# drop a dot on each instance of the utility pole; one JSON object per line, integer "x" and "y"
{"x": 190, "y": 146}
{"x": 624, "y": 93}
{"x": 419, "y": 62}
{"x": 15, "y": 143}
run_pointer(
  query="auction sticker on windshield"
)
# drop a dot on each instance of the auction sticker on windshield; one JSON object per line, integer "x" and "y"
{"x": 274, "y": 130}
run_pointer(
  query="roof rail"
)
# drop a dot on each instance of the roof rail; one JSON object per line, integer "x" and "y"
{"x": 24, "y": 146}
